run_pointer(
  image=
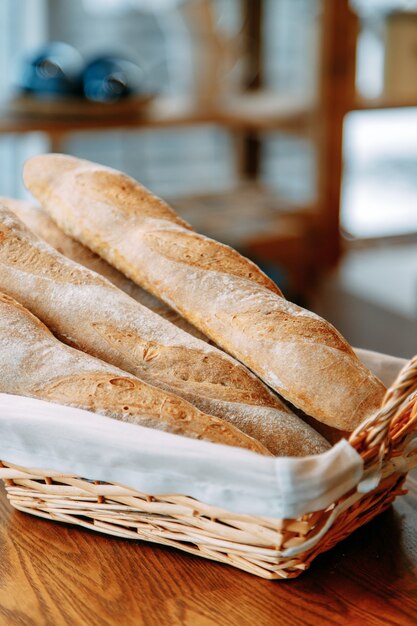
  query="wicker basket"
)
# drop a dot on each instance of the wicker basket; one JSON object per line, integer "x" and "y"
{"x": 270, "y": 548}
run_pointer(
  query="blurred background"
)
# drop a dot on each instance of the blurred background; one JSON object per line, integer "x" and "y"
{"x": 286, "y": 128}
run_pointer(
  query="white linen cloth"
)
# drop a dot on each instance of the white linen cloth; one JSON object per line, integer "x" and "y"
{"x": 38, "y": 434}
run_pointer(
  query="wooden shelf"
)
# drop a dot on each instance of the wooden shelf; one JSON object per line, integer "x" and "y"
{"x": 238, "y": 216}
{"x": 364, "y": 104}
{"x": 266, "y": 110}
{"x": 255, "y": 111}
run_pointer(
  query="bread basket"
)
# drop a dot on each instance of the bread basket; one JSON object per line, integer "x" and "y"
{"x": 270, "y": 548}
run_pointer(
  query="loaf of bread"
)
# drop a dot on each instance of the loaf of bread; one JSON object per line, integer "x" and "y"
{"x": 86, "y": 311}
{"x": 42, "y": 225}
{"x": 34, "y": 363}
{"x": 226, "y": 296}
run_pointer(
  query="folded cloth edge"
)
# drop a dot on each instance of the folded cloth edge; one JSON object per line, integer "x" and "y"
{"x": 44, "y": 435}
{"x": 38, "y": 434}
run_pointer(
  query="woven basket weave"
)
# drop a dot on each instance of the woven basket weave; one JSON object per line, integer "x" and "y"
{"x": 270, "y": 548}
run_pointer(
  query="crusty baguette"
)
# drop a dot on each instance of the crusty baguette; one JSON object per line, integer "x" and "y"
{"x": 88, "y": 312}
{"x": 34, "y": 363}
{"x": 226, "y": 296}
{"x": 42, "y": 225}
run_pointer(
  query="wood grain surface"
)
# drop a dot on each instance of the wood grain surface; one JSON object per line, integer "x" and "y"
{"x": 53, "y": 574}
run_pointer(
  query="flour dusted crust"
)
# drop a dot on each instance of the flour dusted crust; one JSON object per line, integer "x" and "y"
{"x": 42, "y": 225}
{"x": 116, "y": 193}
{"x": 33, "y": 363}
{"x": 293, "y": 350}
{"x": 86, "y": 311}
{"x": 203, "y": 253}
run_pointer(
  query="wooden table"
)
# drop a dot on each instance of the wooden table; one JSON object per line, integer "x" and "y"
{"x": 55, "y": 575}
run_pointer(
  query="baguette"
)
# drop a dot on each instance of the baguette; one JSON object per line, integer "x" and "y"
{"x": 300, "y": 355}
{"x": 34, "y": 363}
{"x": 42, "y": 225}
{"x": 86, "y": 311}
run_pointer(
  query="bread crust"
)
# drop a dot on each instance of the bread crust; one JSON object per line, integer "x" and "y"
{"x": 39, "y": 222}
{"x": 293, "y": 350}
{"x": 86, "y": 311}
{"x": 34, "y": 363}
